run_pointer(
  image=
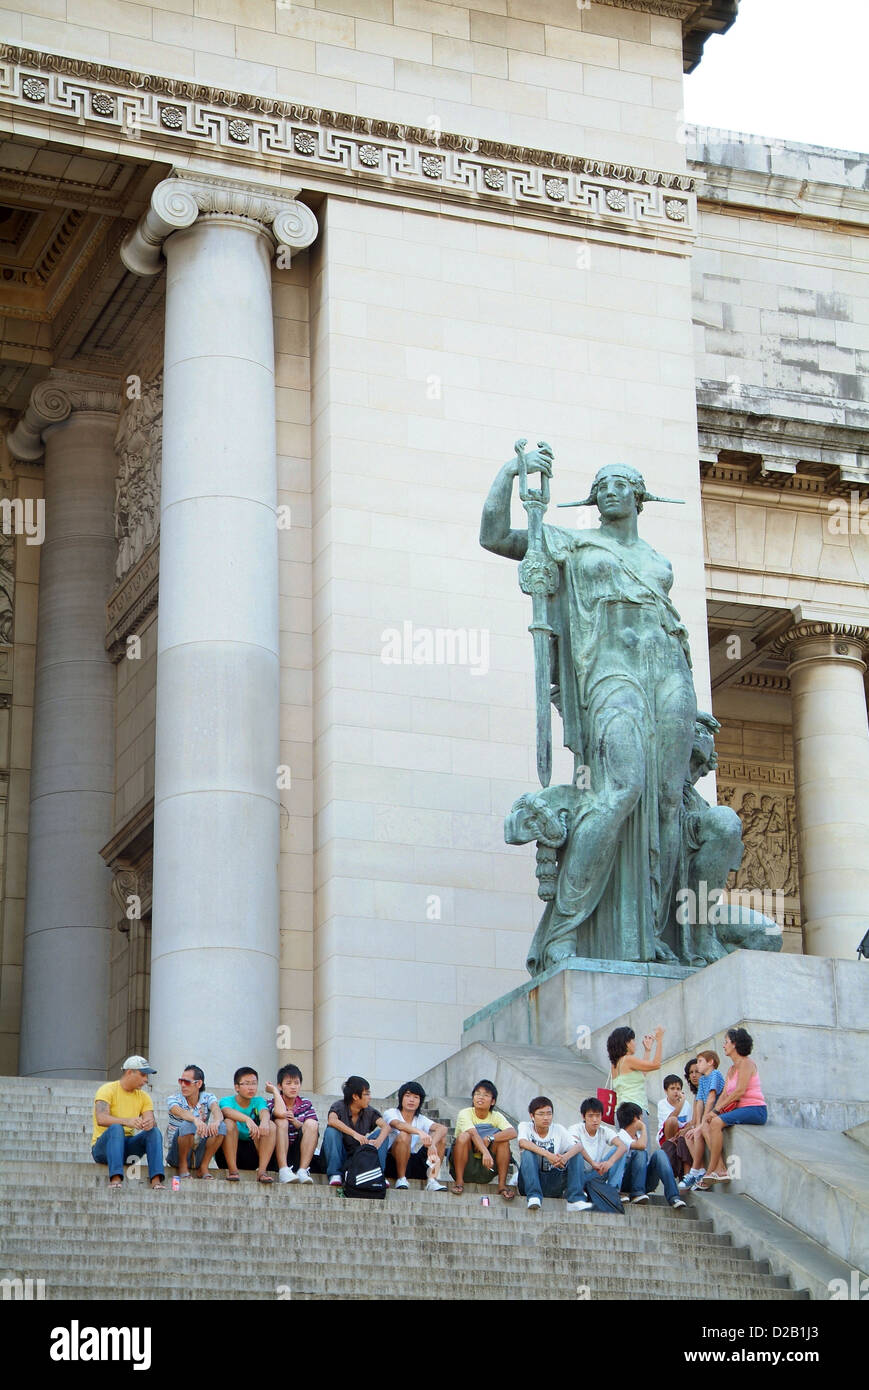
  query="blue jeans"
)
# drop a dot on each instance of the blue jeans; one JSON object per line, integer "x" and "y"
{"x": 643, "y": 1172}
{"x": 613, "y": 1177}
{"x": 337, "y": 1147}
{"x": 555, "y": 1182}
{"x": 197, "y": 1153}
{"x": 113, "y": 1146}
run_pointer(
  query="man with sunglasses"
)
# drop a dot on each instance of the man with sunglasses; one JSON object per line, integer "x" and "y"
{"x": 195, "y": 1122}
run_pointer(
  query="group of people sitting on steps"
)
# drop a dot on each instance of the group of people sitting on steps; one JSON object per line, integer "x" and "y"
{"x": 591, "y": 1164}
{"x": 687, "y": 1127}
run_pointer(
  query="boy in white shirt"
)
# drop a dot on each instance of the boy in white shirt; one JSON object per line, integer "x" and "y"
{"x": 414, "y": 1140}
{"x": 674, "y": 1112}
{"x": 598, "y": 1148}
{"x": 544, "y": 1169}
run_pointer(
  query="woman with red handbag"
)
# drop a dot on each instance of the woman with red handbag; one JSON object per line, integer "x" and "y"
{"x": 628, "y": 1073}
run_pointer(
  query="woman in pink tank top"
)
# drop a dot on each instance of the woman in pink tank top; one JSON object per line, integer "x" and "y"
{"x": 741, "y": 1103}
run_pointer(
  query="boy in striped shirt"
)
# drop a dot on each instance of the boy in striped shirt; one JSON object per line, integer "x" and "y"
{"x": 297, "y": 1126}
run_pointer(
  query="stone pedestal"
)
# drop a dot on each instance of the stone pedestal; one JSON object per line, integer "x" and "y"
{"x": 68, "y": 913}
{"x": 570, "y": 1001}
{"x": 215, "y": 928}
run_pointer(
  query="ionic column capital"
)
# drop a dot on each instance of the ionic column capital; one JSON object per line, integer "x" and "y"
{"x": 52, "y": 401}
{"x": 181, "y": 200}
{"x": 812, "y": 642}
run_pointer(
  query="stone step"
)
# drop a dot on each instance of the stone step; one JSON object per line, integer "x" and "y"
{"x": 453, "y": 1268}
{"x": 485, "y": 1285}
{"x": 817, "y": 1182}
{"x": 238, "y": 1257}
{"x": 578, "y": 1242}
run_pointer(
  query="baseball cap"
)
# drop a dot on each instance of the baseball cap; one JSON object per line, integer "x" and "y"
{"x": 139, "y": 1064}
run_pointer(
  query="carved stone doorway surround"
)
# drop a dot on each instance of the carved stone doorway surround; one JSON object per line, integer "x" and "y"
{"x": 129, "y": 855}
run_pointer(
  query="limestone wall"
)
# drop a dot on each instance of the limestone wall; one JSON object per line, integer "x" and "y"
{"x": 436, "y": 343}
{"x": 780, "y": 271}
{"x": 600, "y": 81}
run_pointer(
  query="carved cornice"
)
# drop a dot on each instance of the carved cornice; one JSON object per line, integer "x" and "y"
{"x": 52, "y": 401}
{"x": 763, "y": 680}
{"x": 775, "y": 437}
{"x": 132, "y": 601}
{"x": 838, "y": 638}
{"x": 326, "y": 147}
{"x": 751, "y": 770}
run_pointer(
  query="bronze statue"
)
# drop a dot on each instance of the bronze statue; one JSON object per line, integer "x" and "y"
{"x": 612, "y": 655}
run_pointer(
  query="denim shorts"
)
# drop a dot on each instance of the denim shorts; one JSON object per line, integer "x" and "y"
{"x": 744, "y": 1115}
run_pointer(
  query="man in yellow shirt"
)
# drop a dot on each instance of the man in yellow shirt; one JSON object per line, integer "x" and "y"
{"x": 124, "y": 1124}
{"x": 482, "y": 1143}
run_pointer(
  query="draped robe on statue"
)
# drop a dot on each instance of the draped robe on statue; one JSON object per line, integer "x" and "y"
{"x": 622, "y": 668}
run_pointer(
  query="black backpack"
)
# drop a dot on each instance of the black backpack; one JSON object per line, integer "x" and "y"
{"x": 602, "y": 1195}
{"x": 362, "y": 1176}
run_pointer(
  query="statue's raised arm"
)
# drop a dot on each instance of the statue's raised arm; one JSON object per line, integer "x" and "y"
{"x": 496, "y": 533}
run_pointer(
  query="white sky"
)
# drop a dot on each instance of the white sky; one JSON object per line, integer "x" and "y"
{"x": 796, "y": 69}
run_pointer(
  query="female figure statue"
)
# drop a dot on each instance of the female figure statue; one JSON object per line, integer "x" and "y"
{"x": 621, "y": 680}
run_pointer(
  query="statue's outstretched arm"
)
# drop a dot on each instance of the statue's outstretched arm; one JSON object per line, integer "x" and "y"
{"x": 495, "y": 530}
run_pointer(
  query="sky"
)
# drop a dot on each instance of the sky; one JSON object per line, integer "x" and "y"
{"x": 795, "y": 69}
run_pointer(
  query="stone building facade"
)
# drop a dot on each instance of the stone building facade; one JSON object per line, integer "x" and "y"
{"x": 281, "y": 284}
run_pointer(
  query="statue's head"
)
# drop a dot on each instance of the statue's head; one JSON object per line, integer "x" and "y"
{"x": 703, "y": 755}
{"x": 624, "y": 473}
{"x": 619, "y": 472}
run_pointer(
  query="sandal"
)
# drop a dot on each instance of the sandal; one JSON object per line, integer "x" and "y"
{"x": 208, "y": 1177}
{"x": 264, "y": 1177}
{"x": 457, "y": 1188}
{"x": 233, "y": 1177}
{"x": 508, "y": 1193}
{"x": 703, "y": 1186}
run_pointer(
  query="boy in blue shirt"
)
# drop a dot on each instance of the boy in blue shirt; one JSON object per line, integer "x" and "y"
{"x": 709, "y": 1088}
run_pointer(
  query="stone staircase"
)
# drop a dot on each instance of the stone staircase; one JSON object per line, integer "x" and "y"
{"x": 61, "y": 1224}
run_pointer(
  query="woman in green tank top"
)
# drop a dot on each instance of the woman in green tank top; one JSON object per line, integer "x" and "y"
{"x": 628, "y": 1070}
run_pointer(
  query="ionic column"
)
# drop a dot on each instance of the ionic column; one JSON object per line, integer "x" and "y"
{"x": 831, "y": 777}
{"x": 72, "y": 418}
{"x": 215, "y": 916}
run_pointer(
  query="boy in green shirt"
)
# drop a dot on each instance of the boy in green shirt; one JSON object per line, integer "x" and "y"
{"x": 250, "y": 1131}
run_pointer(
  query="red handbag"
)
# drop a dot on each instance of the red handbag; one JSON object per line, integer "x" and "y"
{"x": 608, "y": 1100}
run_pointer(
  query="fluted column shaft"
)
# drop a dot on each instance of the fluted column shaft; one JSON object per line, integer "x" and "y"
{"x": 215, "y": 919}
{"x": 65, "y": 985}
{"x": 831, "y": 777}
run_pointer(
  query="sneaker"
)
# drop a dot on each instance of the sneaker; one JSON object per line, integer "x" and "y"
{"x": 677, "y": 1202}
{"x": 687, "y": 1183}
{"x": 579, "y": 1206}
{"x": 434, "y": 1186}
{"x": 625, "y": 1197}
{"x": 336, "y": 1181}
{"x": 286, "y": 1175}
{"x": 533, "y": 1204}
{"x": 401, "y": 1182}
{"x": 303, "y": 1176}
{"x": 643, "y": 1197}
